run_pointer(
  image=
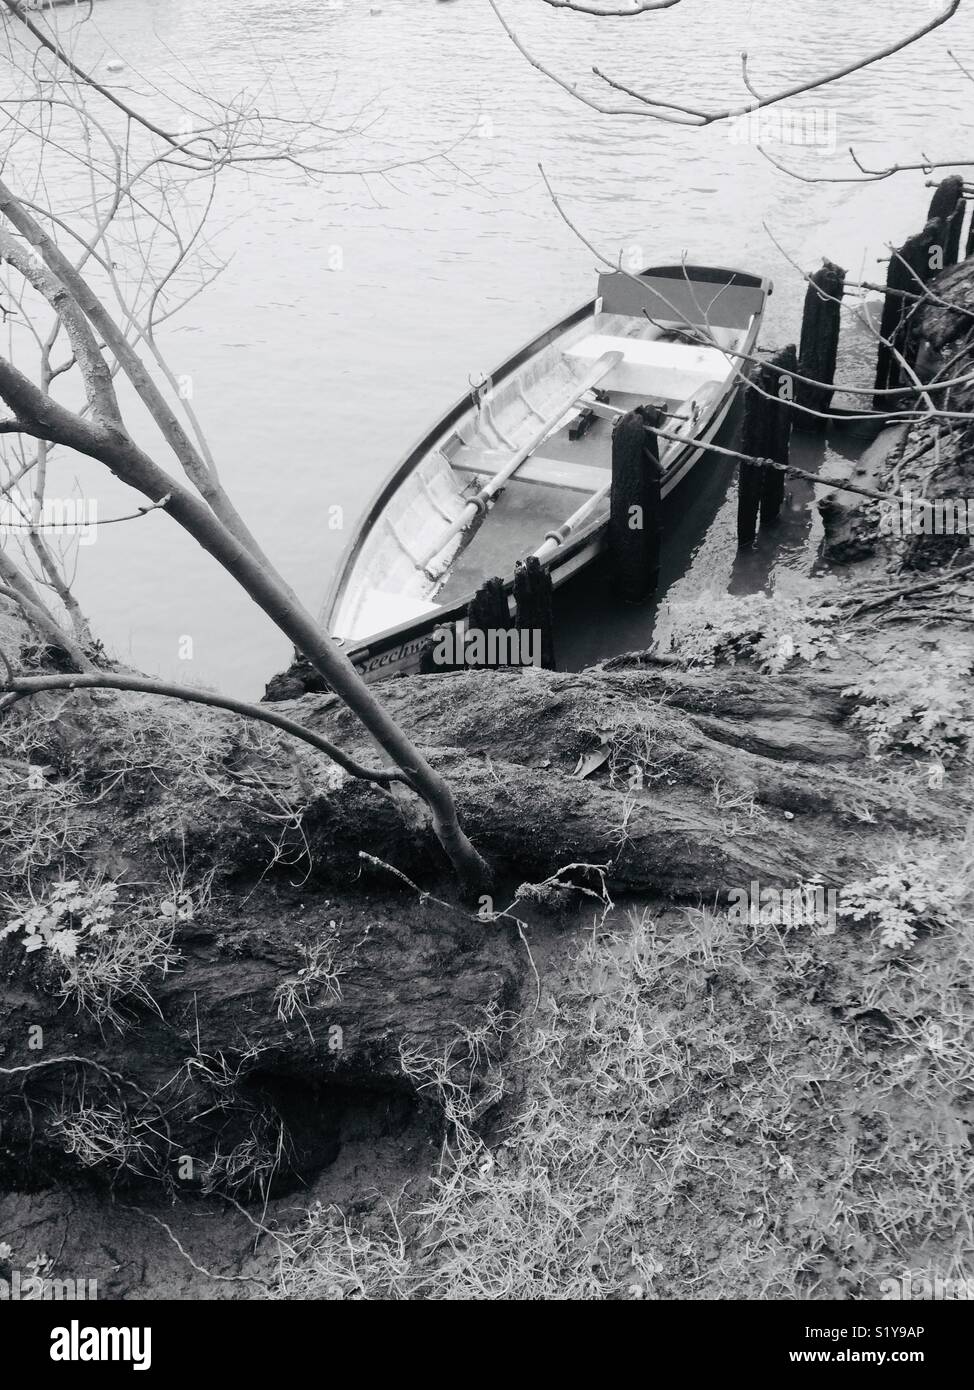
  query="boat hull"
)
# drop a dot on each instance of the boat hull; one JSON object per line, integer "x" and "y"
{"x": 400, "y": 649}
{"x": 399, "y": 652}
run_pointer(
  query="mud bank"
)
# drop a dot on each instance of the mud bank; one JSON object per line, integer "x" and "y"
{"x": 279, "y": 1024}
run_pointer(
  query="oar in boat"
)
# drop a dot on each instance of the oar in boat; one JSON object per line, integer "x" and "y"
{"x": 599, "y": 369}
{"x": 554, "y": 539}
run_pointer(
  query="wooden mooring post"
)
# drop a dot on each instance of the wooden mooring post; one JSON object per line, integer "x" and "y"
{"x": 819, "y": 349}
{"x": 635, "y": 522}
{"x": 487, "y": 612}
{"x": 909, "y": 270}
{"x": 532, "y": 594}
{"x": 947, "y": 207}
{"x": 768, "y": 412}
{"x": 489, "y": 607}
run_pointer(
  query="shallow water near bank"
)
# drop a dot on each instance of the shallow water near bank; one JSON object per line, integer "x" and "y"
{"x": 700, "y": 554}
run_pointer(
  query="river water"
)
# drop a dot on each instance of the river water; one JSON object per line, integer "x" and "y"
{"x": 356, "y": 307}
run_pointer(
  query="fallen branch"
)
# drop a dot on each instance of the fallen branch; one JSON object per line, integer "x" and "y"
{"x": 947, "y": 577}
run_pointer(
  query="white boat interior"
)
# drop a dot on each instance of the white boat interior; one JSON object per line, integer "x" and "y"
{"x": 429, "y": 548}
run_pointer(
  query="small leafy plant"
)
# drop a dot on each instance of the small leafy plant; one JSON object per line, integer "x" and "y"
{"x": 900, "y": 897}
{"x": 772, "y": 632}
{"x": 108, "y": 950}
{"x": 70, "y": 914}
{"x": 920, "y": 705}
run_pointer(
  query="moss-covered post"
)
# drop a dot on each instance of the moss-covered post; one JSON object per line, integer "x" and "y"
{"x": 819, "y": 350}
{"x": 532, "y": 594}
{"x": 779, "y": 381}
{"x": 635, "y": 511}
{"x": 947, "y": 207}
{"x": 489, "y": 607}
{"x": 768, "y": 412}
{"x": 910, "y": 268}
{"x": 488, "y": 612}
{"x": 757, "y": 439}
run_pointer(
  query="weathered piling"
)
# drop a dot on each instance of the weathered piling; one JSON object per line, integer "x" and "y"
{"x": 780, "y": 370}
{"x": 768, "y": 410}
{"x": 491, "y": 638}
{"x": 532, "y": 594}
{"x": 947, "y": 207}
{"x": 489, "y": 607}
{"x": 634, "y": 515}
{"x": 750, "y": 481}
{"x": 909, "y": 270}
{"x": 427, "y": 661}
{"x": 819, "y": 350}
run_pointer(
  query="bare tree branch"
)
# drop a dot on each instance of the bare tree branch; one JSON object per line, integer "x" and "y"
{"x": 111, "y": 680}
{"x": 97, "y": 379}
{"x": 174, "y": 434}
{"x": 680, "y": 113}
{"x": 616, "y": 11}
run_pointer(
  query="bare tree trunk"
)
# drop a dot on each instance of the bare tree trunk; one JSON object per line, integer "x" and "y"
{"x": 17, "y": 587}
{"x": 54, "y": 580}
{"x": 107, "y": 441}
{"x": 195, "y": 467}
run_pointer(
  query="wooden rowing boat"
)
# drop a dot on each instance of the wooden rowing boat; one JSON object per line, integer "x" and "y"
{"x": 504, "y": 474}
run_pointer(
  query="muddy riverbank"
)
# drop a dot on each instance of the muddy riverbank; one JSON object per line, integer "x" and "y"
{"x": 275, "y": 1054}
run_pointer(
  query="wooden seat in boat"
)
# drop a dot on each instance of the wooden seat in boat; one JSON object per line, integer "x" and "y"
{"x": 650, "y": 367}
{"x": 585, "y": 477}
